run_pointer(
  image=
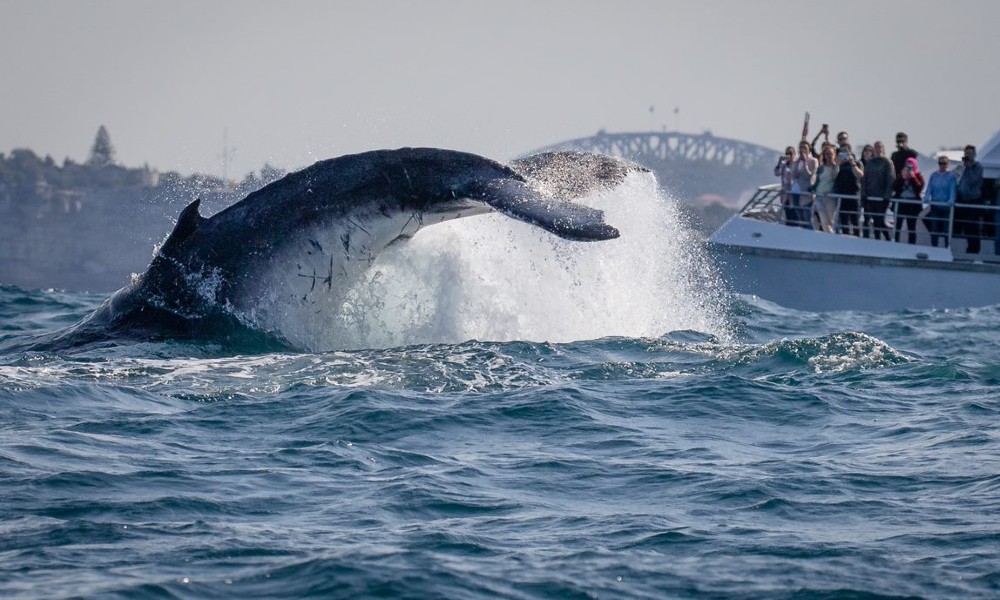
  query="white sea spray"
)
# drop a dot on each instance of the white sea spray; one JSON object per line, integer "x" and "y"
{"x": 494, "y": 278}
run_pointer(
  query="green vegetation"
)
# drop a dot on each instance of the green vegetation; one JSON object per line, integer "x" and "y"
{"x": 88, "y": 226}
{"x": 24, "y": 174}
{"x": 102, "y": 153}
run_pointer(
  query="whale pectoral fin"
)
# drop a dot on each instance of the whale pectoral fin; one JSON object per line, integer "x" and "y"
{"x": 565, "y": 219}
{"x": 569, "y": 174}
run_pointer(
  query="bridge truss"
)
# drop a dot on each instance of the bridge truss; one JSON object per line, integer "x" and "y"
{"x": 690, "y": 166}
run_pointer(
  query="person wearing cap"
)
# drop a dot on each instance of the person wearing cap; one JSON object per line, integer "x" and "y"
{"x": 907, "y": 190}
{"x": 940, "y": 193}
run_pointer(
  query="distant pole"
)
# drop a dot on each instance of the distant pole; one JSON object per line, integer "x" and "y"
{"x": 226, "y": 154}
{"x": 652, "y": 117}
{"x": 677, "y": 119}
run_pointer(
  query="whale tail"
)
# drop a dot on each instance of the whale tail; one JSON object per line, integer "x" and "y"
{"x": 550, "y": 181}
{"x": 568, "y": 220}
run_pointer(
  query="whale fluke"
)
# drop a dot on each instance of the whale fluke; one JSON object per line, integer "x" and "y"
{"x": 567, "y": 220}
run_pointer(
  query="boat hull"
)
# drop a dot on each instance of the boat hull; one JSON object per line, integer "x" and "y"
{"x": 811, "y": 270}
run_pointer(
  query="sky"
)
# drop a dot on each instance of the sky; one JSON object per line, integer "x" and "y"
{"x": 292, "y": 82}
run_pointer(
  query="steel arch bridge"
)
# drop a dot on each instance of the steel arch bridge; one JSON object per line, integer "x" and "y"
{"x": 688, "y": 165}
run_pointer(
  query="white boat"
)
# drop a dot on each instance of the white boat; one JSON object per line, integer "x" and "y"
{"x": 806, "y": 269}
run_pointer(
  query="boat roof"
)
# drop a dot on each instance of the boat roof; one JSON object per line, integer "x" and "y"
{"x": 989, "y": 156}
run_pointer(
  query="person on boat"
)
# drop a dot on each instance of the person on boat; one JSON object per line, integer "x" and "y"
{"x": 942, "y": 188}
{"x": 899, "y": 157}
{"x": 908, "y": 187}
{"x": 825, "y": 206}
{"x": 969, "y": 218}
{"x": 846, "y": 186}
{"x": 803, "y": 178}
{"x": 825, "y": 133}
{"x": 783, "y": 170}
{"x": 876, "y": 189}
{"x": 866, "y": 154}
{"x": 903, "y": 152}
{"x": 996, "y": 221}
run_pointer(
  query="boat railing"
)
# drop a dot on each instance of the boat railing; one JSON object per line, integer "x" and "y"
{"x": 969, "y": 221}
{"x": 765, "y": 205}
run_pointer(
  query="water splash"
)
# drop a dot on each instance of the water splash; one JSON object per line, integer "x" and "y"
{"x": 493, "y": 278}
{"x": 833, "y": 353}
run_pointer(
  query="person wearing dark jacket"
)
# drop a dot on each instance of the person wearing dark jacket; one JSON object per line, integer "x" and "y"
{"x": 969, "y": 218}
{"x": 903, "y": 152}
{"x": 876, "y": 189}
{"x": 846, "y": 184}
{"x": 908, "y": 187}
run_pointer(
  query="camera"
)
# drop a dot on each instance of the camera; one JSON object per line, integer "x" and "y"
{"x": 843, "y": 156}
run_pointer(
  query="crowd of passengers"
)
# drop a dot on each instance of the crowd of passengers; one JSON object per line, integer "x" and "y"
{"x": 853, "y": 196}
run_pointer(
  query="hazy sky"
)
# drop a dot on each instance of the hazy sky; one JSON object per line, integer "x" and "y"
{"x": 297, "y": 81}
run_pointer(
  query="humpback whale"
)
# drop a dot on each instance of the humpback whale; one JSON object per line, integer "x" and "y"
{"x": 301, "y": 240}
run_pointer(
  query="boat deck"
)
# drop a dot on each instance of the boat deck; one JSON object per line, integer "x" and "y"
{"x": 761, "y": 254}
{"x": 766, "y": 206}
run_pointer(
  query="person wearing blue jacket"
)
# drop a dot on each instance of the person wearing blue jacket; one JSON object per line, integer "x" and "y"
{"x": 940, "y": 193}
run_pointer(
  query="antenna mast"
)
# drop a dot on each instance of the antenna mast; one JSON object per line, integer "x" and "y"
{"x": 227, "y": 153}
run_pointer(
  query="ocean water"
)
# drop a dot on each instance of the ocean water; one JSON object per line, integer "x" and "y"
{"x": 497, "y": 414}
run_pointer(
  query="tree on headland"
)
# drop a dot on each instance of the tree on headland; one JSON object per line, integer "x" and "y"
{"x": 102, "y": 153}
